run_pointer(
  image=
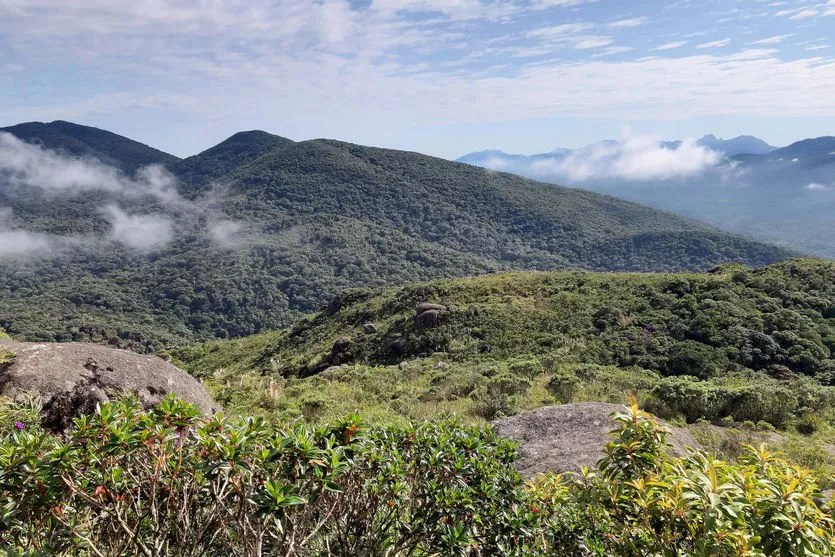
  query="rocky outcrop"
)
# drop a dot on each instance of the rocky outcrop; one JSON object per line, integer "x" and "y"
{"x": 568, "y": 437}
{"x": 72, "y": 378}
{"x": 429, "y": 316}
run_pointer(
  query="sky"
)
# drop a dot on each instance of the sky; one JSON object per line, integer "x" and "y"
{"x": 442, "y": 77}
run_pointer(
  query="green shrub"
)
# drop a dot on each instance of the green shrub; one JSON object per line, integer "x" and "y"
{"x": 501, "y": 395}
{"x": 168, "y": 482}
{"x": 563, "y": 386}
{"x": 642, "y": 502}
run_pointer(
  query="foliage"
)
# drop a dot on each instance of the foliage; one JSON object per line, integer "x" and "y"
{"x": 167, "y": 482}
{"x": 757, "y": 347}
{"x": 317, "y": 217}
{"x": 643, "y": 502}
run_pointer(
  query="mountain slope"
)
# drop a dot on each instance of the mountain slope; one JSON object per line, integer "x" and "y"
{"x": 786, "y": 195}
{"x": 84, "y": 141}
{"x": 747, "y": 338}
{"x": 296, "y": 223}
{"x": 223, "y": 158}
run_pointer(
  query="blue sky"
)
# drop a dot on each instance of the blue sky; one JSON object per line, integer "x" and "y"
{"x": 443, "y": 77}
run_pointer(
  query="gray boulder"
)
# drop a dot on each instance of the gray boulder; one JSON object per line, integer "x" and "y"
{"x": 569, "y": 437}
{"x": 71, "y": 378}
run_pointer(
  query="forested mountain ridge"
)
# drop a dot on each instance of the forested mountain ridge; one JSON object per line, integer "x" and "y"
{"x": 85, "y": 141}
{"x": 249, "y": 234}
{"x": 783, "y": 195}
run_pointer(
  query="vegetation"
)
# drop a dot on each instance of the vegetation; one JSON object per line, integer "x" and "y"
{"x": 746, "y": 344}
{"x": 166, "y": 482}
{"x": 316, "y": 217}
{"x": 84, "y": 141}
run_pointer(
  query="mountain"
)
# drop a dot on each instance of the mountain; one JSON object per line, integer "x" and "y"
{"x": 785, "y": 195}
{"x": 238, "y": 150}
{"x": 744, "y": 144}
{"x": 156, "y": 261}
{"x": 753, "y": 344}
{"x": 84, "y": 141}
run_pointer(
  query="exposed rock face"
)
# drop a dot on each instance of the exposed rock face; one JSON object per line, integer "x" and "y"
{"x": 430, "y": 307}
{"x": 429, "y": 316}
{"x": 71, "y": 378}
{"x": 568, "y": 437}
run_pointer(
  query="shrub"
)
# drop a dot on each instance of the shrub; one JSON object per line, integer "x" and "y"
{"x": 501, "y": 395}
{"x": 168, "y": 482}
{"x": 640, "y": 501}
{"x": 563, "y": 386}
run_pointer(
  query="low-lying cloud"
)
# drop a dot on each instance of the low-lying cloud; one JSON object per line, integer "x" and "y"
{"x": 634, "y": 159}
{"x": 17, "y": 243}
{"x": 141, "y": 232}
{"x": 29, "y": 165}
{"x": 25, "y": 166}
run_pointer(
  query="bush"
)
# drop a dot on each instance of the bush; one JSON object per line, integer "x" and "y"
{"x": 168, "y": 482}
{"x": 563, "y": 386}
{"x": 640, "y": 501}
{"x": 501, "y": 395}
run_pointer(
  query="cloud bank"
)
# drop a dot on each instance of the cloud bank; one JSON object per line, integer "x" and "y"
{"x": 634, "y": 159}
{"x": 25, "y": 166}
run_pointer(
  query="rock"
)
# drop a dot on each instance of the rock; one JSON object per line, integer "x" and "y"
{"x": 430, "y": 307}
{"x": 369, "y": 328}
{"x": 402, "y": 365}
{"x": 340, "y": 346}
{"x": 72, "y": 378}
{"x": 568, "y": 437}
{"x": 441, "y": 365}
{"x": 399, "y": 346}
{"x": 429, "y": 319}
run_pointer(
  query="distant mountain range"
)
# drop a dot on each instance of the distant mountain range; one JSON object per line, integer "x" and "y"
{"x": 244, "y": 237}
{"x": 784, "y": 195}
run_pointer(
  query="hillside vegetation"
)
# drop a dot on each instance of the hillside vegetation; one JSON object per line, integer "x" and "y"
{"x": 302, "y": 222}
{"x": 734, "y": 343}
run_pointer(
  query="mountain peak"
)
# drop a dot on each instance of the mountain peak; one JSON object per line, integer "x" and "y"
{"x": 87, "y": 141}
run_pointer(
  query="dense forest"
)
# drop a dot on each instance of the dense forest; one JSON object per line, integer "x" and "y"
{"x": 264, "y": 229}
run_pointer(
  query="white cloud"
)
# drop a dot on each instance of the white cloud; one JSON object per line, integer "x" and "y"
{"x": 671, "y": 46}
{"x": 595, "y": 42}
{"x": 227, "y": 234}
{"x": 563, "y": 30}
{"x": 17, "y": 243}
{"x": 628, "y": 23}
{"x": 140, "y": 232}
{"x": 771, "y": 40}
{"x": 634, "y": 159}
{"x": 816, "y": 187}
{"x": 612, "y": 50}
{"x": 715, "y": 44}
{"x": 25, "y": 164}
{"x": 805, "y": 14}
{"x": 818, "y": 47}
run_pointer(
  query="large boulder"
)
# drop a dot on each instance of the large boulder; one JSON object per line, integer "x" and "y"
{"x": 569, "y": 437}
{"x": 71, "y": 378}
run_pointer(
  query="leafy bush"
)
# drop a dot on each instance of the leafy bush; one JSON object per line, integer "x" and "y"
{"x": 168, "y": 482}
{"x": 642, "y": 502}
{"x": 563, "y": 386}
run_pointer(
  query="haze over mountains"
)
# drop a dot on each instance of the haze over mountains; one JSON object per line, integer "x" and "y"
{"x": 783, "y": 195}
{"x": 95, "y": 244}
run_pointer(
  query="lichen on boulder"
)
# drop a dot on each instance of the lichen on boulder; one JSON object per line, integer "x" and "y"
{"x": 72, "y": 378}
